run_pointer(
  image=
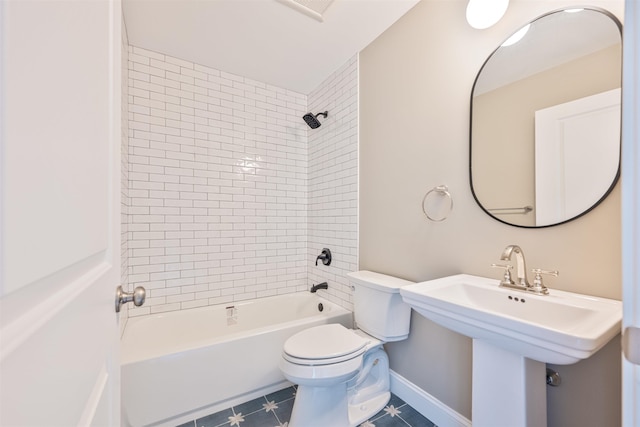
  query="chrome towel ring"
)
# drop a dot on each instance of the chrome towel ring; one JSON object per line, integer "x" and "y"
{"x": 443, "y": 192}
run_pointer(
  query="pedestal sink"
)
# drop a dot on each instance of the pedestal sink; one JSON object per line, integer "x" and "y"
{"x": 514, "y": 334}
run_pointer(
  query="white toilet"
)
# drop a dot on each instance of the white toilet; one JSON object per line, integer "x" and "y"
{"x": 343, "y": 374}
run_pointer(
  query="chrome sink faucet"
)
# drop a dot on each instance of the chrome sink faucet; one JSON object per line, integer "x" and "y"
{"x": 521, "y": 268}
{"x": 522, "y": 284}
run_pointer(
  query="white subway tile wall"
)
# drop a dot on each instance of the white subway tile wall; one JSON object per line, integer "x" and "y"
{"x": 218, "y": 186}
{"x": 333, "y": 182}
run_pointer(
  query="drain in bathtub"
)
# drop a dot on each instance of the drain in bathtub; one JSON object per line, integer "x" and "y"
{"x": 320, "y": 306}
{"x": 232, "y": 315}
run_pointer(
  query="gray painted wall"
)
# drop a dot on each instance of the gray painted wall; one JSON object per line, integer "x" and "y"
{"x": 415, "y": 83}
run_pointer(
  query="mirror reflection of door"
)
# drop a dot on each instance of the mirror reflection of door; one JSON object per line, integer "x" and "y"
{"x": 576, "y": 154}
{"x": 564, "y": 56}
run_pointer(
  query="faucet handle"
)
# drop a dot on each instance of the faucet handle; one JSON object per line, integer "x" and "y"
{"x": 538, "y": 287}
{"x": 506, "y": 280}
{"x": 325, "y": 257}
{"x": 539, "y": 271}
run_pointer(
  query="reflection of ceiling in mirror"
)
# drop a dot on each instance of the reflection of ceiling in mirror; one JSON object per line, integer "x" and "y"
{"x": 552, "y": 40}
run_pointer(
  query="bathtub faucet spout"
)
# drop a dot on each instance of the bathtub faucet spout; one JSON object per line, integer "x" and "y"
{"x": 322, "y": 285}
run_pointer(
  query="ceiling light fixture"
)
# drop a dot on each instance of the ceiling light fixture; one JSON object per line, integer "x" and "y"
{"x": 482, "y": 14}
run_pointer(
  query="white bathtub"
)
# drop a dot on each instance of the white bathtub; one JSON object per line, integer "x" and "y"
{"x": 186, "y": 364}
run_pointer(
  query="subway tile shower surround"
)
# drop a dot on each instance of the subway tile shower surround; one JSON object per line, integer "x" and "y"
{"x": 332, "y": 202}
{"x": 223, "y": 203}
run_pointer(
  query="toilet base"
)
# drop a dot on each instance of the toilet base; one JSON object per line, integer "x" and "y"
{"x": 320, "y": 407}
{"x": 361, "y": 412}
{"x": 348, "y": 403}
{"x": 328, "y": 406}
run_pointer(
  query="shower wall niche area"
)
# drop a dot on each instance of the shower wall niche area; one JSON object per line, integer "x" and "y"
{"x": 220, "y": 184}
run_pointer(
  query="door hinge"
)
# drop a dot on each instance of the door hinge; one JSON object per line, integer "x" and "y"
{"x": 631, "y": 344}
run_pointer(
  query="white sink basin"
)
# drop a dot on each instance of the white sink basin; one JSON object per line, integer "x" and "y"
{"x": 560, "y": 328}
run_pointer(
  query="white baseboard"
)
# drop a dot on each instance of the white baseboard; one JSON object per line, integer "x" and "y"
{"x": 436, "y": 411}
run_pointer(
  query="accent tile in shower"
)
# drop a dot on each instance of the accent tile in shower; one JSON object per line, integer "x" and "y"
{"x": 274, "y": 410}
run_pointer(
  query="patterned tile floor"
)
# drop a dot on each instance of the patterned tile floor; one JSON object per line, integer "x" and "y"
{"x": 274, "y": 410}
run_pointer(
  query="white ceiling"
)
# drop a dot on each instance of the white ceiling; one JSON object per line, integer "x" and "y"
{"x": 264, "y": 40}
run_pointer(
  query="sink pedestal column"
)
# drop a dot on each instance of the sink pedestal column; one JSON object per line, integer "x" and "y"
{"x": 508, "y": 390}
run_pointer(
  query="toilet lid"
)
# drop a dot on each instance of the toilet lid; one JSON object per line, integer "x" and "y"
{"x": 324, "y": 342}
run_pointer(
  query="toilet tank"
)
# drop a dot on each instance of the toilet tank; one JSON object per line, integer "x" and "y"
{"x": 378, "y": 307}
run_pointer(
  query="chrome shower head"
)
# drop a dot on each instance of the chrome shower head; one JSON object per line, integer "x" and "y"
{"x": 312, "y": 120}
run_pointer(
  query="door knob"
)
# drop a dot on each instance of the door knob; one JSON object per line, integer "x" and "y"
{"x": 137, "y": 296}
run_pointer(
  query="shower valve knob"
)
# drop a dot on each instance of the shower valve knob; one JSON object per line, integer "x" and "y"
{"x": 137, "y": 297}
{"x": 325, "y": 257}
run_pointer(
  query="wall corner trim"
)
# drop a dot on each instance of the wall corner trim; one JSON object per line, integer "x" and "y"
{"x": 432, "y": 408}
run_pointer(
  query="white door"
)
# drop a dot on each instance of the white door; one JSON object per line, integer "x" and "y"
{"x": 631, "y": 216}
{"x": 59, "y": 212}
{"x": 577, "y": 146}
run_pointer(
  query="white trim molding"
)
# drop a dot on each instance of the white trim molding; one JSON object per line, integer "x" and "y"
{"x": 432, "y": 408}
{"x": 631, "y": 210}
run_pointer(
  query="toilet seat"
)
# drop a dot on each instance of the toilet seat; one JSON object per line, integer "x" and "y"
{"x": 324, "y": 345}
